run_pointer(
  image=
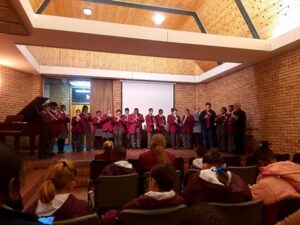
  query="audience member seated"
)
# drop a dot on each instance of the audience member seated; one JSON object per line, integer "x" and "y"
{"x": 277, "y": 180}
{"x": 198, "y": 161}
{"x": 10, "y": 197}
{"x": 55, "y": 198}
{"x": 119, "y": 166}
{"x": 202, "y": 214}
{"x": 106, "y": 155}
{"x": 160, "y": 194}
{"x": 293, "y": 219}
{"x": 156, "y": 154}
{"x": 215, "y": 184}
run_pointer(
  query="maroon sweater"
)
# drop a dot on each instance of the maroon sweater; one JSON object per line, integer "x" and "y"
{"x": 115, "y": 170}
{"x": 72, "y": 208}
{"x": 199, "y": 190}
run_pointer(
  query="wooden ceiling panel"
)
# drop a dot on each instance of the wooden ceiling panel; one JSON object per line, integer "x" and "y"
{"x": 35, "y": 4}
{"x": 274, "y": 17}
{"x": 206, "y": 65}
{"x": 98, "y": 60}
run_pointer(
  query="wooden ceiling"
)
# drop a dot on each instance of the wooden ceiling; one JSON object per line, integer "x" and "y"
{"x": 10, "y": 22}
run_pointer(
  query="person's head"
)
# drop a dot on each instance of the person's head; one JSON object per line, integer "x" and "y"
{"x": 207, "y": 106}
{"x": 174, "y": 111}
{"x": 85, "y": 109}
{"x": 46, "y": 107}
{"x": 98, "y": 113}
{"x": 230, "y": 108}
{"x": 108, "y": 110}
{"x": 61, "y": 179}
{"x": 200, "y": 151}
{"x": 150, "y": 111}
{"x": 160, "y": 111}
{"x": 53, "y": 106}
{"x": 136, "y": 111}
{"x": 126, "y": 110}
{"x": 223, "y": 110}
{"x": 237, "y": 106}
{"x": 263, "y": 157}
{"x": 157, "y": 146}
{"x": 214, "y": 159}
{"x": 118, "y": 112}
{"x": 118, "y": 153}
{"x": 202, "y": 214}
{"x": 162, "y": 178}
{"x": 78, "y": 112}
{"x": 108, "y": 146}
{"x": 63, "y": 108}
{"x": 187, "y": 111}
{"x": 10, "y": 178}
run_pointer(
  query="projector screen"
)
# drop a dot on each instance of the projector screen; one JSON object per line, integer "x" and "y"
{"x": 145, "y": 95}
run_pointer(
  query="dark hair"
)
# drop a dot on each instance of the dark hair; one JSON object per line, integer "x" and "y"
{"x": 207, "y": 103}
{"x": 164, "y": 176}
{"x": 118, "y": 153}
{"x": 214, "y": 158}
{"x": 160, "y": 110}
{"x": 98, "y": 111}
{"x": 53, "y": 104}
{"x": 263, "y": 156}
{"x": 230, "y": 106}
{"x": 150, "y": 109}
{"x": 187, "y": 110}
{"x": 135, "y": 109}
{"x": 224, "y": 108}
{"x": 172, "y": 109}
{"x": 126, "y": 109}
{"x": 202, "y": 214}
{"x": 118, "y": 110}
{"x": 10, "y": 167}
{"x": 201, "y": 151}
{"x": 84, "y": 107}
{"x": 63, "y": 106}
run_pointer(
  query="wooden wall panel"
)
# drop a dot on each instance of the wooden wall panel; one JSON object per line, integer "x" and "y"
{"x": 110, "y": 61}
{"x": 101, "y": 95}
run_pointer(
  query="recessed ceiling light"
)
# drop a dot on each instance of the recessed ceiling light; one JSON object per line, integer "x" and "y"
{"x": 158, "y": 18}
{"x": 87, "y": 11}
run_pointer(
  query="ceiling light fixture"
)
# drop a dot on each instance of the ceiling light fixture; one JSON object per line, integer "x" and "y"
{"x": 87, "y": 11}
{"x": 158, "y": 18}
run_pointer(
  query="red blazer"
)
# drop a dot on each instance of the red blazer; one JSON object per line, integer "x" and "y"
{"x": 173, "y": 126}
{"x": 86, "y": 120}
{"x": 62, "y": 123}
{"x": 126, "y": 122}
{"x": 107, "y": 123}
{"x": 133, "y": 123}
{"x": 76, "y": 125}
{"x": 160, "y": 122}
{"x": 149, "y": 123}
{"x": 121, "y": 123}
{"x": 96, "y": 123}
{"x": 188, "y": 124}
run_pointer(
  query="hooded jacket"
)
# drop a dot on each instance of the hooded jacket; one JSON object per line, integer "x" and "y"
{"x": 277, "y": 181}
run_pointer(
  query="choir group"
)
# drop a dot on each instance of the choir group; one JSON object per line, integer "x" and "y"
{"x": 126, "y": 129}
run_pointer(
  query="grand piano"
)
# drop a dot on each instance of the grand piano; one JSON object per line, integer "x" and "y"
{"x": 26, "y": 123}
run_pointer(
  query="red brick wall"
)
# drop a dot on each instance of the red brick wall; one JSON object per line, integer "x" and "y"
{"x": 269, "y": 92}
{"x": 17, "y": 89}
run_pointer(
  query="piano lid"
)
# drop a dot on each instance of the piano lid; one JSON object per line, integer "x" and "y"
{"x": 31, "y": 111}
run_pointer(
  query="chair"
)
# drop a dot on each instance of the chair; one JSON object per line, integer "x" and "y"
{"x": 96, "y": 167}
{"x": 189, "y": 175}
{"x": 191, "y": 161}
{"x": 179, "y": 165}
{"x": 282, "y": 157}
{"x": 115, "y": 191}
{"x": 232, "y": 160}
{"x": 134, "y": 162}
{"x": 84, "y": 220}
{"x": 246, "y": 213}
{"x": 296, "y": 158}
{"x": 287, "y": 207}
{"x": 162, "y": 216}
{"x": 177, "y": 185}
{"x": 247, "y": 173}
{"x": 250, "y": 161}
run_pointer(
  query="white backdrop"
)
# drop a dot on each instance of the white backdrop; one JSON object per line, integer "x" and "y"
{"x": 145, "y": 95}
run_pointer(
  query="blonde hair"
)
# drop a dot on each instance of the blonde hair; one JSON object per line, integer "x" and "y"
{"x": 60, "y": 176}
{"x": 108, "y": 146}
{"x": 158, "y": 145}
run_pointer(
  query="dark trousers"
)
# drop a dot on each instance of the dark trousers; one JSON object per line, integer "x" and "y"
{"x": 118, "y": 136}
{"x": 46, "y": 144}
{"x": 97, "y": 142}
{"x": 207, "y": 138}
{"x": 77, "y": 141}
{"x": 187, "y": 140}
{"x": 197, "y": 139}
{"x": 136, "y": 138}
{"x": 60, "y": 145}
{"x": 174, "y": 139}
{"x": 220, "y": 131}
{"x": 239, "y": 142}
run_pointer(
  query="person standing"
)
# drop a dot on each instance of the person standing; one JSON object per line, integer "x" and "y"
{"x": 207, "y": 119}
{"x": 240, "y": 123}
{"x": 188, "y": 124}
{"x": 174, "y": 122}
{"x": 63, "y": 119}
{"x": 77, "y": 132}
{"x": 160, "y": 122}
{"x": 151, "y": 123}
{"x": 97, "y": 123}
{"x": 197, "y": 128}
{"x": 107, "y": 125}
{"x": 230, "y": 129}
{"x": 119, "y": 125}
{"x": 126, "y": 134}
{"x": 167, "y": 128}
{"x": 220, "y": 130}
{"x": 135, "y": 121}
{"x": 86, "y": 120}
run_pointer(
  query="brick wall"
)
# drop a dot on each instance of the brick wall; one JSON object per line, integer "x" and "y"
{"x": 17, "y": 89}
{"x": 269, "y": 92}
